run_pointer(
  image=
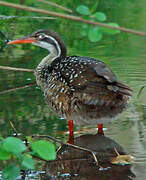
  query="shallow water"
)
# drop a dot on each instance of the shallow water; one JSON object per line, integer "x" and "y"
{"x": 124, "y": 53}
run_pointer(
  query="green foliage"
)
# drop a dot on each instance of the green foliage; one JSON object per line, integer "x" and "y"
{"x": 111, "y": 31}
{"x": 13, "y": 145}
{"x": 83, "y": 10}
{"x": 94, "y": 7}
{"x": 27, "y": 162}
{"x": 99, "y": 16}
{"x": 44, "y": 149}
{"x": 14, "y": 149}
{"x": 95, "y": 33}
{"x": 11, "y": 172}
{"x": 4, "y": 155}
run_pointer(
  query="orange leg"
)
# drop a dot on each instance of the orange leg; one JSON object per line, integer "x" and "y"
{"x": 71, "y": 132}
{"x": 100, "y": 129}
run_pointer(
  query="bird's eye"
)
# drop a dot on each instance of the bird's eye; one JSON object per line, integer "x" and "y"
{"x": 41, "y": 36}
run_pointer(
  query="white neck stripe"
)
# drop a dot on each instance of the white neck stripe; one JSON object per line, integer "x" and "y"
{"x": 57, "y": 45}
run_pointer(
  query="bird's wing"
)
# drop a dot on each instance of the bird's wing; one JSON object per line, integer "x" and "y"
{"x": 92, "y": 75}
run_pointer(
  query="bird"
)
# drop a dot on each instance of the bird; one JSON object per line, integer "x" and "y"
{"x": 78, "y": 88}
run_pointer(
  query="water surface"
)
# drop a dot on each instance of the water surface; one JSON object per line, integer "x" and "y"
{"x": 124, "y": 53}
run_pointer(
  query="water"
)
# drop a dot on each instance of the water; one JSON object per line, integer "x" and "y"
{"x": 124, "y": 53}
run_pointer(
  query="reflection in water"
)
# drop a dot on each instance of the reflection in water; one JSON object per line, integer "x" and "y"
{"x": 77, "y": 164}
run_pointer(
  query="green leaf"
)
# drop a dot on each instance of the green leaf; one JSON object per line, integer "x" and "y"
{"x": 111, "y": 31}
{"x": 29, "y": 139}
{"x": 99, "y": 16}
{"x": 27, "y": 162}
{"x": 1, "y": 138}
{"x": 85, "y": 26}
{"x": 83, "y": 33}
{"x": 44, "y": 149}
{"x": 83, "y": 10}
{"x": 13, "y": 145}
{"x": 4, "y": 155}
{"x": 11, "y": 172}
{"x": 85, "y": 30}
{"x": 94, "y": 7}
{"x": 94, "y": 34}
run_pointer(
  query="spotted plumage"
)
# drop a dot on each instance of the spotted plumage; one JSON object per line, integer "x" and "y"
{"x": 77, "y": 88}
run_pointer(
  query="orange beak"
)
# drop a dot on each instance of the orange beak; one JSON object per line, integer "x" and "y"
{"x": 23, "y": 40}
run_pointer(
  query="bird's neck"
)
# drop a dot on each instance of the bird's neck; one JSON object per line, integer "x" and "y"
{"x": 55, "y": 52}
{"x": 44, "y": 64}
{"x": 46, "y": 61}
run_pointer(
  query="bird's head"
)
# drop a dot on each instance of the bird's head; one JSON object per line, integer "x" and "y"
{"x": 46, "y": 39}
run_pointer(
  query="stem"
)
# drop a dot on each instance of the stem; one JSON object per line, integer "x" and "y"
{"x": 12, "y": 125}
{"x": 30, "y": 17}
{"x": 16, "y": 69}
{"x": 75, "y": 18}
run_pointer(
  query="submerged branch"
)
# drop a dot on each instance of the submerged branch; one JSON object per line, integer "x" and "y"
{"x": 16, "y": 88}
{"x": 67, "y": 144}
{"x": 140, "y": 91}
{"x": 75, "y": 18}
{"x": 16, "y": 69}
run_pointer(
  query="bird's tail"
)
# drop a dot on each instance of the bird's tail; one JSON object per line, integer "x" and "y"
{"x": 118, "y": 87}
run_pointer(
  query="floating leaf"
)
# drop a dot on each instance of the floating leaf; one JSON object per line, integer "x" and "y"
{"x": 44, "y": 149}
{"x": 83, "y": 10}
{"x": 4, "y": 155}
{"x": 11, "y": 172}
{"x": 27, "y": 162}
{"x": 111, "y": 31}
{"x": 99, "y": 16}
{"x": 13, "y": 145}
{"x": 94, "y": 34}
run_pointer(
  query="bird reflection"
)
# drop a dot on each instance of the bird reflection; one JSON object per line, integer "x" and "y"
{"x": 72, "y": 163}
